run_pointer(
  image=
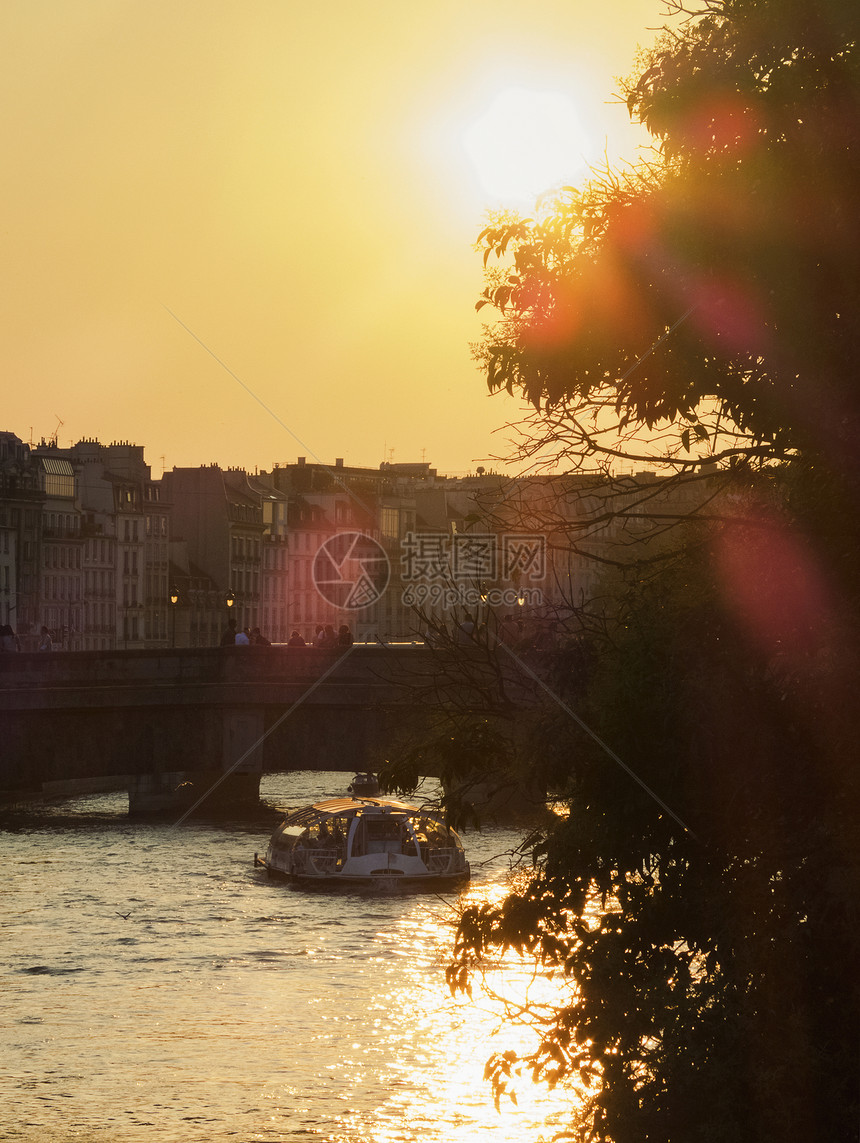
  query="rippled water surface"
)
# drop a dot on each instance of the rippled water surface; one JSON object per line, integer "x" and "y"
{"x": 156, "y": 986}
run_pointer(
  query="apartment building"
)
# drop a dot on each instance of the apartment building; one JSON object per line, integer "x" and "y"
{"x": 112, "y": 486}
{"x": 21, "y": 499}
{"x": 219, "y": 516}
{"x": 344, "y": 535}
{"x": 60, "y": 580}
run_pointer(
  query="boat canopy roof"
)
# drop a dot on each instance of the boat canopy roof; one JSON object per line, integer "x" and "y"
{"x": 349, "y": 807}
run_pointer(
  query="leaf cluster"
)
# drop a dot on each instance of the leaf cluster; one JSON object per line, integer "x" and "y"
{"x": 714, "y": 290}
{"x": 706, "y": 982}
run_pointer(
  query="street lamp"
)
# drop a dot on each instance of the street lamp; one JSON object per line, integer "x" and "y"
{"x": 231, "y": 599}
{"x": 174, "y": 599}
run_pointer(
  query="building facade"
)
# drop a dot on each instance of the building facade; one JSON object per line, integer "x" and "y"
{"x": 107, "y": 557}
{"x": 21, "y": 501}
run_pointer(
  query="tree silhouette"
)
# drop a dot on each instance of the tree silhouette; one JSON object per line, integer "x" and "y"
{"x": 705, "y": 303}
{"x": 701, "y": 920}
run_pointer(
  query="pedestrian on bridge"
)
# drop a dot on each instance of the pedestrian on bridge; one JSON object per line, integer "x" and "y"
{"x": 8, "y": 639}
{"x": 329, "y": 637}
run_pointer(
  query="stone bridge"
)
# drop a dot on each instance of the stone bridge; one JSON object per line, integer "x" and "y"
{"x": 189, "y": 719}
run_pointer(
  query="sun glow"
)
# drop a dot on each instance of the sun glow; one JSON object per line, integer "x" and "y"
{"x": 526, "y": 143}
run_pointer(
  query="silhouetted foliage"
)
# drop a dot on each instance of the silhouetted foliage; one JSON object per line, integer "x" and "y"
{"x": 710, "y": 296}
{"x": 480, "y": 707}
{"x": 701, "y": 920}
{"x": 708, "y": 974}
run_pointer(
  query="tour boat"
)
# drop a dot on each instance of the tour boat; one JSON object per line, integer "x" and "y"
{"x": 366, "y": 840}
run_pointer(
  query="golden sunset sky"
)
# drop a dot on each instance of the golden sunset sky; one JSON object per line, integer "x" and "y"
{"x": 244, "y": 232}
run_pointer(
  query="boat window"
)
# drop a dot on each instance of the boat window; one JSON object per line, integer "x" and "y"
{"x": 432, "y": 833}
{"x": 328, "y": 833}
{"x": 383, "y": 829}
{"x": 377, "y": 835}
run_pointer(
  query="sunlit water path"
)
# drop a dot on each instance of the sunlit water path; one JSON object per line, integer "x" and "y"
{"x": 156, "y": 986}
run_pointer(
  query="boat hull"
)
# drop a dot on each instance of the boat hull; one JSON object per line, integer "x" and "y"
{"x": 379, "y": 883}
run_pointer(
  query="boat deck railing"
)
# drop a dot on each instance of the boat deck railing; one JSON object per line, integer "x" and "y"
{"x": 320, "y": 860}
{"x": 441, "y": 860}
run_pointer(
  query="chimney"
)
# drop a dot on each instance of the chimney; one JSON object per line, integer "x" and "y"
{"x": 301, "y": 460}
{"x": 338, "y": 462}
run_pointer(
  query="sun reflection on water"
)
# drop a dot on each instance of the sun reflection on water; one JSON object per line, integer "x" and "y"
{"x": 438, "y": 1089}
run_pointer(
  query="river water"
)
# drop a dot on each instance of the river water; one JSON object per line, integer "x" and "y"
{"x": 157, "y": 986}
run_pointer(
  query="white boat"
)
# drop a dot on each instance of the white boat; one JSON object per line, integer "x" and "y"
{"x": 367, "y": 841}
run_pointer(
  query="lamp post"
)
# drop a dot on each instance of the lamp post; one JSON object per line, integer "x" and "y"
{"x": 229, "y": 600}
{"x": 174, "y": 599}
{"x": 521, "y": 602}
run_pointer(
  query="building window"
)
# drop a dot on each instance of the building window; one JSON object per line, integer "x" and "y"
{"x": 389, "y": 523}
